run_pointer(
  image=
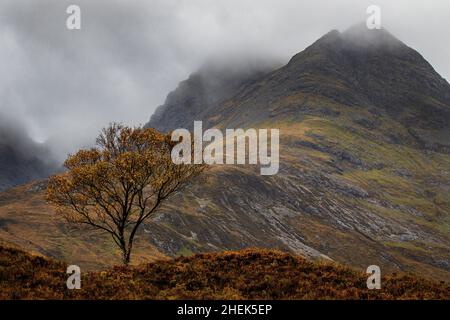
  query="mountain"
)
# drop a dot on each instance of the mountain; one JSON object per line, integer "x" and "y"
{"x": 204, "y": 89}
{"x": 364, "y": 164}
{"x": 246, "y": 274}
{"x": 364, "y": 169}
{"x": 21, "y": 159}
{"x": 359, "y": 68}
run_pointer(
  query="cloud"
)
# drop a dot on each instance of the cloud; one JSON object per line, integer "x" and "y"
{"x": 19, "y": 145}
{"x": 63, "y": 86}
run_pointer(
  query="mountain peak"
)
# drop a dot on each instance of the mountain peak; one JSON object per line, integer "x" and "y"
{"x": 357, "y": 67}
{"x": 359, "y": 37}
{"x": 362, "y": 37}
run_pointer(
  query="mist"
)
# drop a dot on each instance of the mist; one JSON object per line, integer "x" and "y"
{"x": 14, "y": 138}
{"x": 60, "y": 86}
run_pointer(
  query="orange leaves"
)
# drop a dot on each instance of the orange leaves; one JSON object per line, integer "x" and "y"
{"x": 120, "y": 183}
{"x": 82, "y": 157}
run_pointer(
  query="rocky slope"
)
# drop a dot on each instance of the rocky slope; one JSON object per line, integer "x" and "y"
{"x": 358, "y": 69}
{"x": 202, "y": 91}
{"x": 364, "y": 175}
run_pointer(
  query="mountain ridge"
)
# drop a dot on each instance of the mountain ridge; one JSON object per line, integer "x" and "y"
{"x": 325, "y": 59}
{"x": 364, "y": 158}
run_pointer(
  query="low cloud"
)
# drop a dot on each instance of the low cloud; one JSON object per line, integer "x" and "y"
{"x": 62, "y": 86}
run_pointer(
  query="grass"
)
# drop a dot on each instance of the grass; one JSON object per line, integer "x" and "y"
{"x": 36, "y": 227}
{"x": 184, "y": 251}
{"x": 246, "y": 274}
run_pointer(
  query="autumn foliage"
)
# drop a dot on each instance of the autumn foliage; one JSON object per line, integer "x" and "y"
{"x": 246, "y": 274}
{"x": 120, "y": 183}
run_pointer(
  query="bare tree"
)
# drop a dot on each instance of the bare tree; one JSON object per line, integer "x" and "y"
{"x": 120, "y": 183}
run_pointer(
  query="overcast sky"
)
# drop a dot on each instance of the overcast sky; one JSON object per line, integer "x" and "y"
{"x": 63, "y": 85}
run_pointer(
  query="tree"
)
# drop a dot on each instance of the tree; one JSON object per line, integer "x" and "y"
{"x": 120, "y": 183}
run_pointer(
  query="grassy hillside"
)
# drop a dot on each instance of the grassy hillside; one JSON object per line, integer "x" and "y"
{"x": 346, "y": 194}
{"x": 364, "y": 160}
{"x": 247, "y": 274}
{"x": 27, "y": 221}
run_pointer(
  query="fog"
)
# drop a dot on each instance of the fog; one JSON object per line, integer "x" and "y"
{"x": 14, "y": 138}
{"x": 61, "y": 86}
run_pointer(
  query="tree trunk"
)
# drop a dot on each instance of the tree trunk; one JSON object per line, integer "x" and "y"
{"x": 128, "y": 253}
{"x": 125, "y": 257}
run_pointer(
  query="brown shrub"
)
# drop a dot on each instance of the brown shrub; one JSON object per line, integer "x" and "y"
{"x": 246, "y": 274}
